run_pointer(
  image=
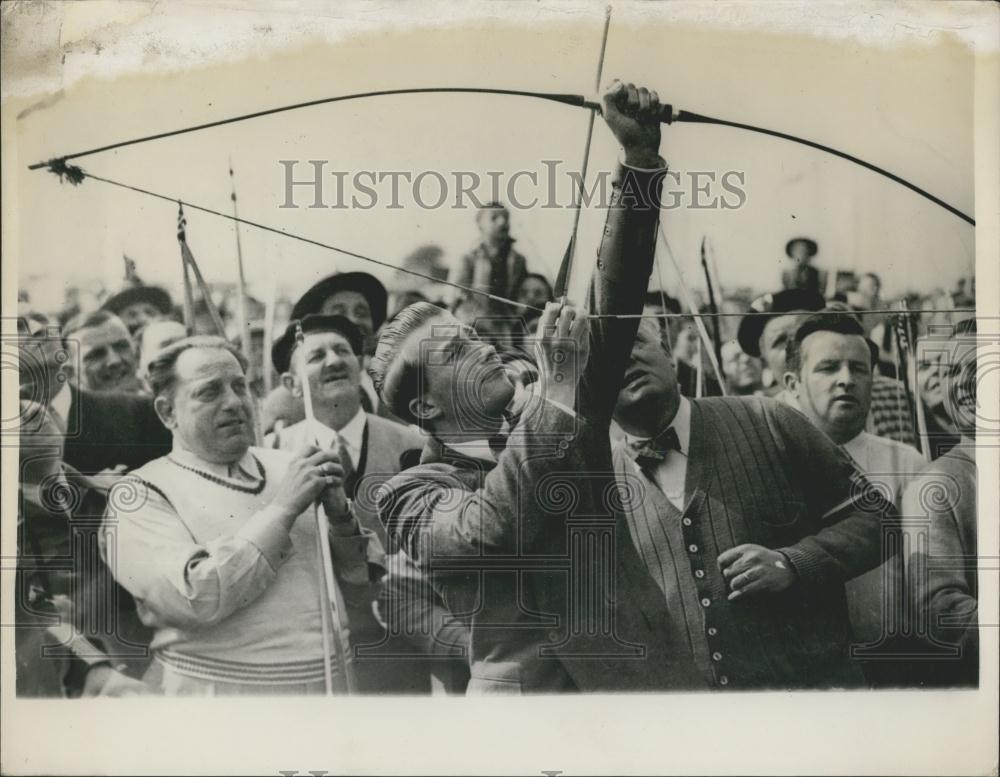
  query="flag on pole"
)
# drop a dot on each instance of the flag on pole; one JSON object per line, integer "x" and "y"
{"x": 189, "y": 263}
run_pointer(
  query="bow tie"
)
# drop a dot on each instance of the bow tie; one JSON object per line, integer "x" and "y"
{"x": 649, "y": 453}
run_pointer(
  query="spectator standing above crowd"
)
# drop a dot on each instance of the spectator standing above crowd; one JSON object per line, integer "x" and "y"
{"x": 493, "y": 266}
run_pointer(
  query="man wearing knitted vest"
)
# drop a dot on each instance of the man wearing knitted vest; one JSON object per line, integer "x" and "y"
{"x": 751, "y": 521}
{"x": 217, "y": 541}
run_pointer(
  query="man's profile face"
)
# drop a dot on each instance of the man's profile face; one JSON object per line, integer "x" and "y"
{"x": 650, "y": 382}
{"x": 834, "y": 385}
{"x": 107, "y": 357}
{"x": 331, "y": 367}
{"x": 462, "y": 374}
{"x": 685, "y": 347}
{"x": 742, "y": 370}
{"x": 930, "y": 354}
{"x": 138, "y": 314}
{"x": 211, "y": 409}
{"x": 533, "y": 292}
{"x": 868, "y": 287}
{"x": 773, "y": 339}
{"x": 353, "y": 306}
{"x": 960, "y": 376}
{"x": 494, "y": 223}
{"x": 800, "y": 252}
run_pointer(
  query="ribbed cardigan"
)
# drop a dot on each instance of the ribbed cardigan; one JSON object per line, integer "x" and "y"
{"x": 758, "y": 472}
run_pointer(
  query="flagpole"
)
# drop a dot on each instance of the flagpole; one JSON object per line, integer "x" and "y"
{"x": 269, "y": 305}
{"x": 918, "y": 400}
{"x": 689, "y": 301}
{"x": 571, "y": 250}
{"x": 241, "y": 299}
{"x": 331, "y": 604}
{"x": 189, "y": 261}
{"x": 716, "y": 332}
{"x": 189, "y": 322}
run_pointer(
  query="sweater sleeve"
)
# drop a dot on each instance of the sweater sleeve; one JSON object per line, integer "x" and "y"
{"x": 178, "y": 582}
{"x": 843, "y": 532}
{"x": 618, "y": 284}
{"x": 438, "y": 516}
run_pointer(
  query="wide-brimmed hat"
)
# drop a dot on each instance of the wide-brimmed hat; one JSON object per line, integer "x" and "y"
{"x": 787, "y": 301}
{"x": 281, "y": 351}
{"x": 154, "y": 295}
{"x": 811, "y": 245}
{"x": 366, "y": 285}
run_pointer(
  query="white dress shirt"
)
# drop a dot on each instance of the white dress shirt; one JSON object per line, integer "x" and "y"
{"x": 352, "y": 435}
{"x": 885, "y": 462}
{"x": 670, "y": 473}
{"x": 60, "y": 405}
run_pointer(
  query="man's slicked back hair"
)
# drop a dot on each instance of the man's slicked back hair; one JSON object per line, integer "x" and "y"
{"x": 837, "y": 321}
{"x": 395, "y": 375}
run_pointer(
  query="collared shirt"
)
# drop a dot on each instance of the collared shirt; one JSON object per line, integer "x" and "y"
{"x": 60, "y": 405}
{"x": 352, "y": 435}
{"x": 671, "y": 473}
{"x": 885, "y": 462}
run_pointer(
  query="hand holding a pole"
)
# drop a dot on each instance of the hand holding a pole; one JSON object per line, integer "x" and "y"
{"x": 313, "y": 475}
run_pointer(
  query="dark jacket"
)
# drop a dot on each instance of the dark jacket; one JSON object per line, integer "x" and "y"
{"x": 105, "y": 430}
{"x": 533, "y": 550}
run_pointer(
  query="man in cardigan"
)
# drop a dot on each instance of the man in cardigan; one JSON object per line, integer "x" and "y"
{"x": 751, "y": 521}
{"x": 371, "y": 449}
{"x": 509, "y": 528}
{"x": 217, "y": 541}
{"x": 830, "y": 366}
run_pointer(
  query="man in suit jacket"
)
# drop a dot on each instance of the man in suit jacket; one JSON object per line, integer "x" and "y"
{"x": 509, "y": 529}
{"x": 102, "y": 431}
{"x": 78, "y": 632}
{"x": 397, "y": 657}
{"x": 751, "y": 521}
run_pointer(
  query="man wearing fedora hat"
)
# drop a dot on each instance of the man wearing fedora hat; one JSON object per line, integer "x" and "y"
{"x": 770, "y": 323}
{"x": 395, "y": 658}
{"x": 362, "y": 299}
{"x": 800, "y": 274}
{"x": 139, "y": 305}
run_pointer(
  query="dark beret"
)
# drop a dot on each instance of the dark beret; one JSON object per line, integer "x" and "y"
{"x": 787, "y": 301}
{"x": 368, "y": 286}
{"x": 284, "y": 346}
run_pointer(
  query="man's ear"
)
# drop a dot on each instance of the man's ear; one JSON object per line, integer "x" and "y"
{"x": 424, "y": 409}
{"x": 792, "y": 383}
{"x": 292, "y": 384}
{"x": 164, "y": 407}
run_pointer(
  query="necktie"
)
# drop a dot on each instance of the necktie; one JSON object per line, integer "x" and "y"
{"x": 649, "y": 453}
{"x": 350, "y": 473}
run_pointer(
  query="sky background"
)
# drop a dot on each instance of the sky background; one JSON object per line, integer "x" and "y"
{"x": 908, "y": 108}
